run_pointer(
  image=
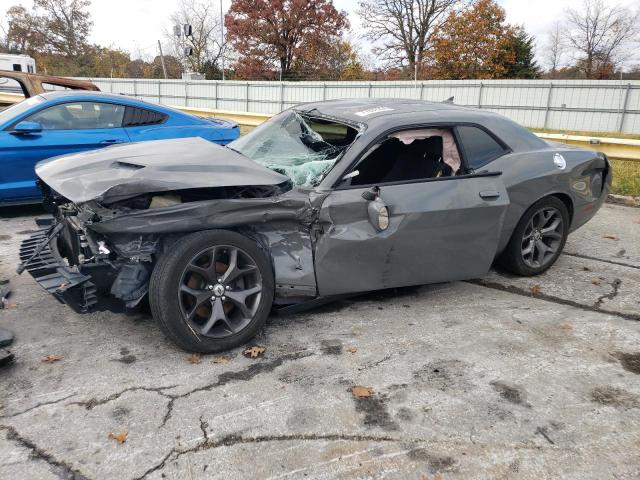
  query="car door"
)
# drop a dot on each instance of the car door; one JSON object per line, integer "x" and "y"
{"x": 439, "y": 229}
{"x": 65, "y": 128}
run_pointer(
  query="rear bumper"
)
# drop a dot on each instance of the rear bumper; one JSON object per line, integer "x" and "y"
{"x": 586, "y": 208}
{"x": 78, "y": 287}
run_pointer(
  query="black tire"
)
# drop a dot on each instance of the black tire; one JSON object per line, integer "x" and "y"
{"x": 513, "y": 257}
{"x": 167, "y": 298}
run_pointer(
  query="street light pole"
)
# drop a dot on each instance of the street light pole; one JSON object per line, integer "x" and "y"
{"x": 222, "y": 39}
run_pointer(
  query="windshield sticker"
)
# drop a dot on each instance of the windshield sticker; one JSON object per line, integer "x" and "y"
{"x": 371, "y": 111}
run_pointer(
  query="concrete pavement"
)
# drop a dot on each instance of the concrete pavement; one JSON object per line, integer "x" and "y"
{"x": 501, "y": 377}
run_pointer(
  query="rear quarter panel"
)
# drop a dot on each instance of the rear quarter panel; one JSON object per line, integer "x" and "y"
{"x": 532, "y": 175}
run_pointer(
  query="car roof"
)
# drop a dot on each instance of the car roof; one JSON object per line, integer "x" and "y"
{"x": 101, "y": 96}
{"x": 381, "y": 114}
{"x": 367, "y": 109}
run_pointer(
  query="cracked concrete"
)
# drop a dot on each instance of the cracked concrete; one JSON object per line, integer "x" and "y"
{"x": 484, "y": 379}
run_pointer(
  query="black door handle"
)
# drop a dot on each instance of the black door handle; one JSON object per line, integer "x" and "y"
{"x": 489, "y": 194}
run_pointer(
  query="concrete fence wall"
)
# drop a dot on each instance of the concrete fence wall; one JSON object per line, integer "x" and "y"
{"x": 590, "y": 106}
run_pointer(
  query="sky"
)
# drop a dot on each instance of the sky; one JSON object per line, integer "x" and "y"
{"x": 137, "y": 25}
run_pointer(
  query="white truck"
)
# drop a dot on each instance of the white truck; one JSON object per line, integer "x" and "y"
{"x": 17, "y": 63}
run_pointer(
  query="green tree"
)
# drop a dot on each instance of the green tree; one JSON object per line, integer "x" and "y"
{"x": 524, "y": 65}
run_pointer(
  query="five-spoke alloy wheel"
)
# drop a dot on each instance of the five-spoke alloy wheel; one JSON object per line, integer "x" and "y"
{"x": 212, "y": 291}
{"x": 219, "y": 292}
{"x": 542, "y": 237}
{"x": 538, "y": 238}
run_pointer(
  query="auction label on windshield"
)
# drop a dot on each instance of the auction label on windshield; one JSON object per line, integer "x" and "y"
{"x": 371, "y": 111}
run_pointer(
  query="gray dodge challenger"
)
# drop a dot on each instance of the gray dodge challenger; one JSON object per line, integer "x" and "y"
{"x": 323, "y": 200}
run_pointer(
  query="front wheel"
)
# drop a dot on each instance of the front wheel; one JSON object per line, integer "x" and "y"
{"x": 538, "y": 239}
{"x": 212, "y": 292}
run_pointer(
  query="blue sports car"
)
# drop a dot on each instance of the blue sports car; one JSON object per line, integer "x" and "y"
{"x": 63, "y": 122}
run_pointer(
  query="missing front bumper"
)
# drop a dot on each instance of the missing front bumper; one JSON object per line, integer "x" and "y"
{"x": 78, "y": 287}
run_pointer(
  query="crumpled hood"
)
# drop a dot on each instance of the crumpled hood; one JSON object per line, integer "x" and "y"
{"x": 124, "y": 171}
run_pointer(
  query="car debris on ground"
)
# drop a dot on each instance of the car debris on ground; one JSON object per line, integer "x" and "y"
{"x": 6, "y": 336}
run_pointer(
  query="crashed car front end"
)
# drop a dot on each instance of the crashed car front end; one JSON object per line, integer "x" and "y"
{"x": 109, "y": 227}
{"x": 118, "y": 209}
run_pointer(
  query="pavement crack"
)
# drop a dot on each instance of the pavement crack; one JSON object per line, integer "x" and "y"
{"x": 157, "y": 466}
{"x": 596, "y": 259}
{"x": 233, "y": 439}
{"x": 42, "y": 404}
{"x": 543, "y": 431}
{"x": 248, "y": 373}
{"x": 59, "y": 467}
{"x": 560, "y": 301}
{"x": 615, "y": 286}
{"x": 94, "y": 402}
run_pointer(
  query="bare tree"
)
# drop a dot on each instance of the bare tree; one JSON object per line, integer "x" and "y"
{"x": 64, "y": 25}
{"x": 403, "y": 28}
{"x": 555, "y": 49}
{"x": 599, "y": 32}
{"x": 205, "y": 42}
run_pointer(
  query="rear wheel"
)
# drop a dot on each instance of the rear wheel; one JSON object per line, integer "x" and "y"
{"x": 212, "y": 292}
{"x": 538, "y": 239}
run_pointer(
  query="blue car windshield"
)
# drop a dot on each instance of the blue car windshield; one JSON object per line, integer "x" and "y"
{"x": 18, "y": 109}
{"x": 302, "y": 147}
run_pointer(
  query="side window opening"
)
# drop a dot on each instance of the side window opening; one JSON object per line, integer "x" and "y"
{"x": 79, "y": 116}
{"x": 480, "y": 148}
{"x": 409, "y": 156}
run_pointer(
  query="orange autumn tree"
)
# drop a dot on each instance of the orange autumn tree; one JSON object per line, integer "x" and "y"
{"x": 475, "y": 43}
{"x": 285, "y": 36}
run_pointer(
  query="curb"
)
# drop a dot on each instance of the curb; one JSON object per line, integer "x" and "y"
{"x": 624, "y": 200}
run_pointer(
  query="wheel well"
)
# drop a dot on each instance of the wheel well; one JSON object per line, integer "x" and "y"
{"x": 566, "y": 199}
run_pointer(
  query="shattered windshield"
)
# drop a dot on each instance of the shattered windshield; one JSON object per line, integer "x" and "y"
{"x": 301, "y": 147}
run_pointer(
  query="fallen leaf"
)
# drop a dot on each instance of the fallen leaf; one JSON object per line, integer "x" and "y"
{"x": 119, "y": 437}
{"x": 254, "y": 352}
{"x": 362, "y": 392}
{"x": 536, "y": 289}
{"x": 195, "y": 358}
{"x": 52, "y": 358}
{"x": 220, "y": 360}
{"x": 611, "y": 237}
{"x": 352, "y": 349}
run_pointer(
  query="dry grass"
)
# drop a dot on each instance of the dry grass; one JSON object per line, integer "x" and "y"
{"x": 626, "y": 177}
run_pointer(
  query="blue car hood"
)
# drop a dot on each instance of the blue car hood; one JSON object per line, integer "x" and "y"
{"x": 124, "y": 171}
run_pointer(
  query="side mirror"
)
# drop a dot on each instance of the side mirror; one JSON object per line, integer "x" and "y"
{"x": 27, "y": 128}
{"x": 376, "y": 209}
{"x": 378, "y": 214}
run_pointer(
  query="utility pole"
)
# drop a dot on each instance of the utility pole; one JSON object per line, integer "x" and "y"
{"x": 164, "y": 68}
{"x": 222, "y": 39}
